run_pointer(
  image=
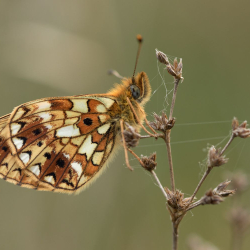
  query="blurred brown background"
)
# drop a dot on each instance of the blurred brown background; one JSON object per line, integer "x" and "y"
{"x": 55, "y": 48}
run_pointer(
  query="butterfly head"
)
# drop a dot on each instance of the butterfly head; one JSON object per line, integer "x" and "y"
{"x": 139, "y": 89}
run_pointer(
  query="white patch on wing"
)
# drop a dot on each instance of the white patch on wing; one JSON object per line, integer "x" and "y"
{"x": 15, "y": 127}
{"x": 97, "y": 158}
{"x": 48, "y": 126}
{"x": 68, "y": 131}
{"x": 43, "y": 105}
{"x": 67, "y": 156}
{"x": 101, "y": 108}
{"x": 80, "y": 105}
{"x": 103, "y": 118}
{"x": 103, "y": 129}
{"x": 35, "y": 169}
{"x": 88, "y": 147}
{"x": 107, "y": 101}
{"x": 77, "y": 167}
{"x": 45, "y": 116}
{"x": 25, "y": 157}
{"x": 18, "y": 142}
{"x": 49, "y": 179}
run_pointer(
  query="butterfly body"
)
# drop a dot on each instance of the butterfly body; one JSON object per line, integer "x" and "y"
{"x": 60, "y": 144}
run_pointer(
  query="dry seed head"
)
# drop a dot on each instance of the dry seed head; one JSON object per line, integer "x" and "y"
{"x": 176, "y": 200}
{"x": 162, "y": 58}
{"x": 235, "y": 123}
{"x": 215, "y": 159}
{"x": 131, "y": 136}
{"x": 240, "y": 130}
{"x": 176, "y": 69}
{"x": 211, "y": 198}
{"x": 221, "y": 189}
{"x": 149, "y": 162}
{"x": 162, "y": 123}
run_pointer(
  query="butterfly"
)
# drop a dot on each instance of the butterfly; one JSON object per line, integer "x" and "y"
{"x": 62, "y": 144}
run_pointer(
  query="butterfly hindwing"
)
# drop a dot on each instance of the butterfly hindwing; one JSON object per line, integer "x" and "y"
{"x": 58, "y": 144}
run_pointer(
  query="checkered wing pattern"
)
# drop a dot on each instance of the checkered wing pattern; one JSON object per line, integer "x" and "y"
{"x": 57, "y": 144}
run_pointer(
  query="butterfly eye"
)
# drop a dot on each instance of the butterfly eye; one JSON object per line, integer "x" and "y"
{"x": 135, "y": 91}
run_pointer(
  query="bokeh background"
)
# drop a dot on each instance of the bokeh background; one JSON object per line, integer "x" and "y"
{"x": 59, "y": 47}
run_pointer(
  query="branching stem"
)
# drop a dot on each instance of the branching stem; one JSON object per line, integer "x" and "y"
{"x": 209, "y": 169}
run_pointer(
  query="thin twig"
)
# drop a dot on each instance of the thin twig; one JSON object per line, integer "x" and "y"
{"x": 200, "y": 183}
{"x": 170, "y": 161}
{"x": 152, "y": 172}
{"x": 159, "y": 183}
{"x": 209, "y": 170}
{"x": 228, "y": 143}
{"x": 195, "y": 204}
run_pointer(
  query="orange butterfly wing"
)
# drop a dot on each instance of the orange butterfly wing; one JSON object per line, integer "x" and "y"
{"x": 57, "y": 144}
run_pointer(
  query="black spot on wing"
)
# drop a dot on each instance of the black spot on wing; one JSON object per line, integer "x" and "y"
{"x": 88, "y": 121}
{"x": 47, "y": 155}
{"x": 60, "y": 162}
{"x": 37, "y": 131}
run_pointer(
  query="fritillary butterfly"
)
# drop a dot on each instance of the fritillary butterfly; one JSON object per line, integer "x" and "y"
{"x": 61, "y": 144}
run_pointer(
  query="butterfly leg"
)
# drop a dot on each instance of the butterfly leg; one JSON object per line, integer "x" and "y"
{"x": 131, "y": 106}
{"x": 124, "y": 145}
{"x": 148, "y": 124}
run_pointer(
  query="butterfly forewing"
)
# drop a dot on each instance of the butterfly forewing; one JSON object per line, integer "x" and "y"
{"x": 57, "y": 144}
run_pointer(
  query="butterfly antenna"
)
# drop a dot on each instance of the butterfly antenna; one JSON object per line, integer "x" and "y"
{"x": 139, "y": 39}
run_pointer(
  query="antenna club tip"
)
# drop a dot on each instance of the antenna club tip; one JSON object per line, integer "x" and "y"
{"x": 139, "y": 38}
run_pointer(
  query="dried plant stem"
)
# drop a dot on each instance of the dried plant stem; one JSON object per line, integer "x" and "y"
{"x": 159, "y": 183}
{"x": 195, "y": 204}
{"x": 170, "y": 161}
{"x": 176, "y": 84}
{"x": 200, "y": 183}
{"x": 228, "y": 143}
{"x": 152, "y": 172}
{"x": 175, "y": 235}
{"x": 210, "y": 169}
